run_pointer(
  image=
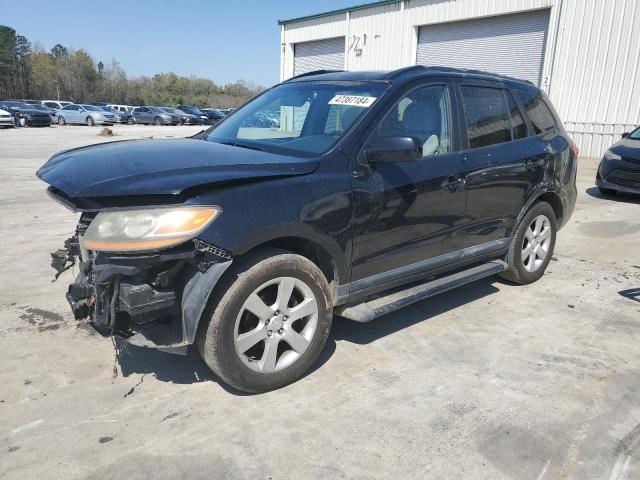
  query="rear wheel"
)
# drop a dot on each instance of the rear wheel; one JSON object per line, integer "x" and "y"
{"x": 22, "y": 121}
{"x": 267, "y": 323}
{"x": 90, "y": 121}
{"x": 532, "y": 245}
{"x": 607, "y": 191}
{"x": 130, "y": 121}
{"x": 61, "y": 120}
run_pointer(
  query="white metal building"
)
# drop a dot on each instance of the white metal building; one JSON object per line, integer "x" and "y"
{"x": 584, "y": 53}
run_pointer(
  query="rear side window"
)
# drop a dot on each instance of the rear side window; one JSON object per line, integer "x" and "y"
{"x": 539, "y": 114}
{"x": 487, "y": 116}
{"x": 518, "y": 127}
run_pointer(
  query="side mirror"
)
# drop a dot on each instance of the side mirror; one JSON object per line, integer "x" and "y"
{"x": 393, "y": 150}
{"x": 625, "y": 134}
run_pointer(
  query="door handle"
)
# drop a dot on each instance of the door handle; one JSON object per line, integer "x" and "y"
{"x": 453, "y": 183}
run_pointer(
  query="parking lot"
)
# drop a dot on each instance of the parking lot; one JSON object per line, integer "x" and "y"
{"x": 488, "y": 381}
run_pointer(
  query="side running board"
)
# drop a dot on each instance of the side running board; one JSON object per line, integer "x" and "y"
{"x": 370, "y": 309}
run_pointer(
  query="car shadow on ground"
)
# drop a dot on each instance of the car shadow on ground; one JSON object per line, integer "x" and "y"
{"x": 190, "y": 368}
{"x": 631, "y": 294}
{"x": 617, "y": 197}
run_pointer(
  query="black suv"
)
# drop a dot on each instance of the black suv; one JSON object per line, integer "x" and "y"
{"x": 375, "y": 191}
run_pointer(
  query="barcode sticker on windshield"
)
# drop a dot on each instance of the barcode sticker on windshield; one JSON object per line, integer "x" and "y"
{"x": 352, "y": 100}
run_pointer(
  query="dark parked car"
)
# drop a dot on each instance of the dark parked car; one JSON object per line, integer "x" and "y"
{"x": 378, "y": 190}
{"x": 26, "y": 115}
{"x": 619, "y": 169}
{"x": 214, "y": 116}
{"x": 204, "y": 118}
{"x": 185, "y": 118}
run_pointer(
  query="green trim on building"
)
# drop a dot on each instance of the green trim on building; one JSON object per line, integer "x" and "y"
{"x": 342, "y": 10}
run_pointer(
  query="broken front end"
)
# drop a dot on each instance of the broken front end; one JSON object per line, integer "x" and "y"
{"x": 142, "y": 274}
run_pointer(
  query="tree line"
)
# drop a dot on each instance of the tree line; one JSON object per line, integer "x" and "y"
{"x": 28, "y": 71}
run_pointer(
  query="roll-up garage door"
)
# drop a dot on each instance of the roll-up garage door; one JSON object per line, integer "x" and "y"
{"x": 509, "y": 44}
{"x": 319, "y": 55}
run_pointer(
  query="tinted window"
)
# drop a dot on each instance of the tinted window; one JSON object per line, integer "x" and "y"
{"x": 539, "y": 114}
{"x": 422, "y": 113}
{"x": 487, "y": 117}
{"x": 518, "y": 127}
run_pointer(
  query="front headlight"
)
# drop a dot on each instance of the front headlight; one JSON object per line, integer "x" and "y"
{"x": 146, "y": 229}
{"x": 609, "y": 155}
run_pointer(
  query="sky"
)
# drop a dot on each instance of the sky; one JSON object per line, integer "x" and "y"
{"x": 221, "y": 40}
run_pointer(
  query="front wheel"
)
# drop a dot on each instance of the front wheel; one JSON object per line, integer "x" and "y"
{"x": 90, "y": 122}
{"x": 267, "y": 323}
{"x": 22, "y": 121}
{"x": 130, "y": 121}
{"x": 61, "y": 121}
{"x": 157, "y": 121}
{"x": 532, "y": 245}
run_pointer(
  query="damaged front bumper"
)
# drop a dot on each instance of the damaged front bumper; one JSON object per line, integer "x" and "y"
{"x": 153, "y": 299}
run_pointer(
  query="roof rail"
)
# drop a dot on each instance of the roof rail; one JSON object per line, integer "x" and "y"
{"x": 401, "y": 71}
{"x": 315, "y": 72}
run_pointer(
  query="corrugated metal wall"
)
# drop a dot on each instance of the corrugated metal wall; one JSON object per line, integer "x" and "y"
{"x": 591, "y": 69}
{"x": 595, "y": 78}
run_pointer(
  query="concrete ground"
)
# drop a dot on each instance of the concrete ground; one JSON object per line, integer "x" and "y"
{"x": 490, "y": 381}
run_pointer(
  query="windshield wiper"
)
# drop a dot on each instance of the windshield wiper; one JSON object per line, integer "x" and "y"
{"x": 242, "y": 145}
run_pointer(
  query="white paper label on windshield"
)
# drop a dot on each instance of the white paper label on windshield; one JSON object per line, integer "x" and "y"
{"x": 352, "y": 100}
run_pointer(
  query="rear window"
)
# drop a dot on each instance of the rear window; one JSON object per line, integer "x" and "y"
{"x": 541, "y": 117}
{"x": 486, "y": 115}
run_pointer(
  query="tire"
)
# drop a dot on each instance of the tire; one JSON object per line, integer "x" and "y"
{"x": 90, "y": 121}
{"x": 130, "y": 121}
{"x": 607, "y": 191}
{"x": 157, "y": 122}
{"x": 227, "y": 317}
{"x": 22, "y": 121}
{"x": 61, "y": 121}
{"x": 532, "y": 267}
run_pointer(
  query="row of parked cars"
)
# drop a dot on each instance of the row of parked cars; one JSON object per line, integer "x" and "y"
{"x": 42, "y": 113}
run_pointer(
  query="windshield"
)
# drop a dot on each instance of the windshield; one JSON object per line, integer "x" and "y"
{"x": 157, "y": 110}
{"x": 33, "y": 106}
{"x": 635, "y": 135}
{"x": 64, "y": 104}
{"x": 92, "y": 108}
{"x": 298, "y": 118}
{"x": 169, "y": 110}
{"x": 16, "y": 104}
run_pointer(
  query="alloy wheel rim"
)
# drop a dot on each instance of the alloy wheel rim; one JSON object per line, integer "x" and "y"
{"x": 536, "y": 243}
{"x": 276, "y": 324}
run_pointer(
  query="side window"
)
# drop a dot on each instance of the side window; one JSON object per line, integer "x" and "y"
{"x": 539, "y": 114}
{"x": 422, "y": 113}
{"x": 487, "y": 117}
{"x": 518, "y": 127}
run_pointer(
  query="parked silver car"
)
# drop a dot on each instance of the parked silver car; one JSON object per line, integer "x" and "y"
{"x": 84, "y": 114}
{"x": 154, "y": 115}
{"x": 6, "y": 119}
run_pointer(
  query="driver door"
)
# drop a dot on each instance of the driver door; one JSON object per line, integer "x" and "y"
{"x": 408, "y": 213}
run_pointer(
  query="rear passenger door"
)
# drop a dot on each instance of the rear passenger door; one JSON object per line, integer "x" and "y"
{"x": 505, "y": 163}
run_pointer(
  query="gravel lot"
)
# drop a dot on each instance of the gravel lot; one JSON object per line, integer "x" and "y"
{"x": 490, "y": 381}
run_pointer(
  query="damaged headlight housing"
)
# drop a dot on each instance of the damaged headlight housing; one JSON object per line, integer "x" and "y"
{"x": 146, "y": 229}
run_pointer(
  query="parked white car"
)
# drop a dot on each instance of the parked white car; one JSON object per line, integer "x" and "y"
{"x": 6, "y": 119}
{"x": 57, "y": 104}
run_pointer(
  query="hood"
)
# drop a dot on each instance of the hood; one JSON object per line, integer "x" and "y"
{"x": 161, "y": 167}
{"x": 627, "y": 148}
{"x": 33, "y": 112}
